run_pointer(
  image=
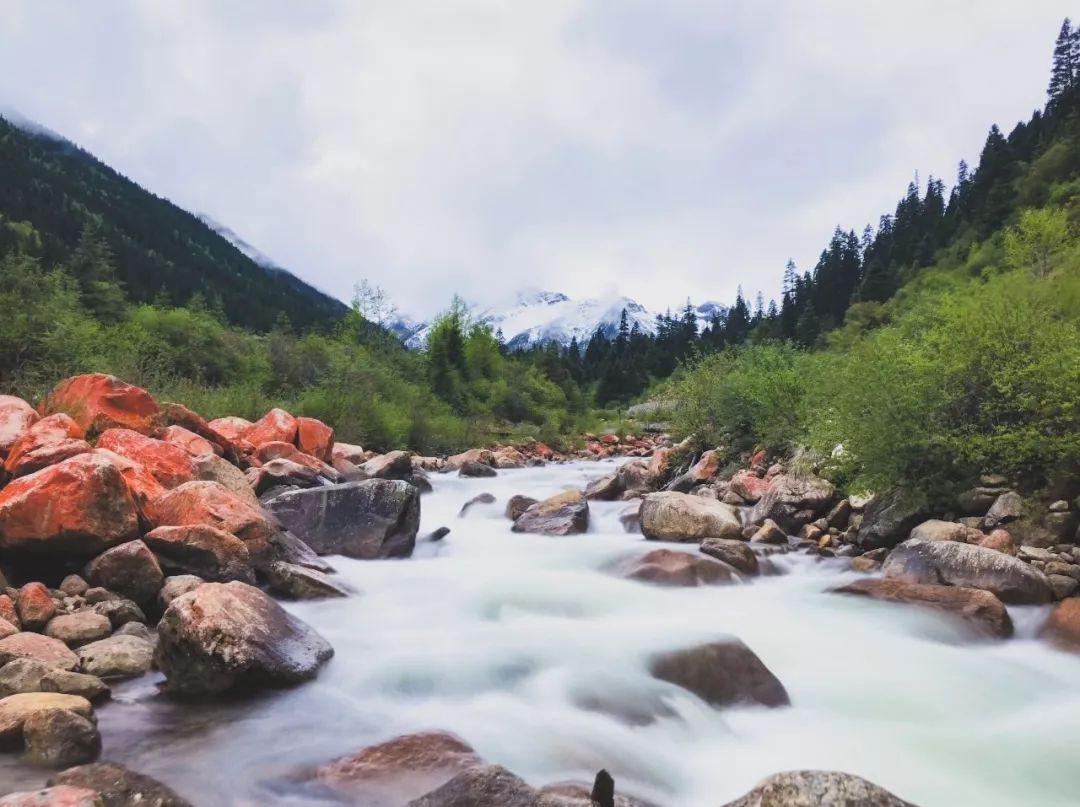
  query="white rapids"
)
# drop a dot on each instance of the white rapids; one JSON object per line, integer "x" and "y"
{"x": 510, "y": 641}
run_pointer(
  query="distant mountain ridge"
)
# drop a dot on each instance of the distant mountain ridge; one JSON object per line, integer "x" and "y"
{"x": 537, "y": 317}
{"x": 159, "y": 250}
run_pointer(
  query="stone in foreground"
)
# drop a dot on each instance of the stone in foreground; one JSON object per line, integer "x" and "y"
{"x": 980, "y": 609}
{"x": 480, "y": 786}
{"x": 1062, "y": 628}
{"x": 564, "y": 514}
{"x": 955, "y": 564}
{"x": 225, "y": 636}
{"x": 119, "y": 786}
{"x": 670, "y": 516}
{"x": 28, "y": 675}
{"x": 818, "y": 789}
{"x": 367, "y": 520}
{"x": 15, "y": 710}
{"x": 60, "y": 738}
{"x": 62, "y": 796}
{"x": 721, "y": 673}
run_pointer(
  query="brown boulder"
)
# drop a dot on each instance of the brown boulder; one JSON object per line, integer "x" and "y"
{"x": 392, "y": 465}
{"x": 98, "y": 402}
{"x": 818, "y": 789}
{"x": 79, "y": 628}
{"x": 118, "y": 786}
{"x": 480, "y": 786}
{"x": 27, "y": 675}
{"x": 298, "y": 583}
{"x": 517, "y": 505}
{"x": 16, "y": 709}
{"x": 481, "y": 455}
{"x": 938, "y": 530}
{"x": 605, "y": 488}
{"x": 733, "y": 552}
{"x": 671, "y": 516}
{"x": 129, "y": 569}
{"x": 669, "y": 567}
{"x": 347, "y": 451}
{"x": 393, "y": 772}
{"x": 981, "y": 609}
{"x": 169, "y": 464}
{"x": 59, "y": 738}
{"x": 706, "y": 468}
{"x": 999, "y": 540}
{"x": 48, "y": 441}
{"x": 62, "y": 796}
{"x": 227, "y": 635}
{"x": 268, "y": 452}
{"x": 209, "y": 552}
{"x": 35, "y": 606}
{"x": 564, "y": 514}
{"x": 119, "y": 656}
{"x": 45, "y": 649}
{"x": 721, "y": 673}
{"x": 793, "y": 500}
{"x": 1062, "y": 628}
{"x": 80, "y": 505}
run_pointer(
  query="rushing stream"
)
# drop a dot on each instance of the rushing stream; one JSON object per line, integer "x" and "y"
{"x": 511, "y": 641}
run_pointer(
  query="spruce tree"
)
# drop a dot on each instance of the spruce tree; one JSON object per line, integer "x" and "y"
{"x": 1063, "y": 71}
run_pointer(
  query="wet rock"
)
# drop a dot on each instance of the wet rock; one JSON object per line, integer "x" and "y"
{"x": 605, "y": 488}
{"x": 176, "y": 586}
{"x": 630, "y": 518}
{"x": 28, "y": 675}
{"x": 315, "y": 438}
{"x": 16, "y": 416}
{"x": 669, "y": 567}
{"x": 377, "y": 518}
{"x": 476, "y": 469}
{"x": 129, "y": 569}
{"x": 297, "y": 583}
{"x": 840, "y": 514}
{"x": 62, "y": 796}
{"x": 733, "y": 552}
{"x": 280, "y": 473}
{"x": 889, "y": 518}
{"x": 577, "y": 794}
{"x": 818, "y": 789}
{"x": 212, "y": 503}
{"x": 437, "y": 534}
{"x": 80, "y": 506}
{"x": 16, "y": 709}
{"x": 938, "y": 530}
{"x": 199, "y": 549}
{"x": 1062, "y": 628}
{"x": 60, "y": 738}
{"x": 118, "y": 786}
{"x": 564, "y": 514}
{"x": 792, "y": 501}
{"x": 769, "y": 533}
{"x": 517, "y": 505}
{"x": 670, "y": 516}
{"x": 98, "y": 402}
{"x": 509, "y": 458}
{"x": 230, "y": 635}
{"x": 721, "y": 673}
{"x": 116, "y": 657}
{"x": 79, "y": 628}
{"x": 35, "y": 606}
{"x": 870, "y": 561}
{"x": 267, "y": 453}
{"x": 956, "y": 564}
{"x": 481, "y": 498}
{"x": 49, "y": 651}
{"x": 73, "y": 585}
{"x": 480, "y": 786}
{"x": 634, "y": 477}
{"x": 981, "y": 609}
{"x": 398, "y": 770}
{"x": 169, "y": 464}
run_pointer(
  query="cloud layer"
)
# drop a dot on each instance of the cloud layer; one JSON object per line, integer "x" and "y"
{"x": 665, "y": 150}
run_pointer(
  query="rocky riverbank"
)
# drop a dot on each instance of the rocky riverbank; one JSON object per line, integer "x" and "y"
{"x": 136, "y": 536}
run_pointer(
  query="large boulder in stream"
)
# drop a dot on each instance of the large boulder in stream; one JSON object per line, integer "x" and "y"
{"x": 956, "y": 564}
{"x": 721, "y": 673}
{"x": 980, "y": 609}
{"x": 222, "y": 636}
{"x": 818, "y": 789}
{"x": 480, "y": 786}
{"x": 890, "y": 517}
{"x": 1062, "y": 628}
{"x": 792, "y": 500}
{"x": 377, "y": 518}
{"x": 211, "y": 553}
{"x": 669, "y": 567}
{"x": 119, "y": 787}
{"x": 60, "y": 796}
{"x": 671, "y": 516}
{"x": 564, "y": 514}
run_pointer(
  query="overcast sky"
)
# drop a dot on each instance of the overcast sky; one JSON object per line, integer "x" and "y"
{"x": 660, "y": 149}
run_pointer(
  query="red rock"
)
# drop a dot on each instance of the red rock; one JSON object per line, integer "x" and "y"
{"x": 142, "y": 485}
{"x": 98, "y": 402}
{"x": 190, "y": 442}
{"x": 8, "y": 611}
{"x": 35, "y": 606}
{"x": 213, "y": 504}
{"x": 543, "y": 451}
{"x": 998, "y": 539}
{"x": 81, "y": 505}
{"x": 231, "y": 428}
{"x": 1063, "y": 627}
{"x": 16, "y": 416}
{"x": 60, "y": 796}
{"x": 981, "y": 609}
{"x": 609, "y": 439}
{"x": 594, "y": 448}
{"x": 277, "y": 425}
{"x": 758, "y": 457}
{"x": 48, "y": 441}
{"x": 175, "y": 414}
{"x": 349, "y": 452}
{"x": 481, "y": 455}
{"x": 275, "y": 450}
{"x": 315, "y": 438}
{"x": 169, "y": 464}
{"x": 748, "y": 486}
{"x": 49, "y": 651}
{"x": 706, "y": 467}
{"x": 129, "y": 569}
{"x": 660, "y": 464}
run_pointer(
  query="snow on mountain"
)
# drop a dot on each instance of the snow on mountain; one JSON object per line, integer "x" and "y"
{"x": 538, "y": 317}
{"x": 261, "y": 258}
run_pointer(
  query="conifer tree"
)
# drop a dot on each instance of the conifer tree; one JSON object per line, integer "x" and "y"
{"x": 1063, "y": 71}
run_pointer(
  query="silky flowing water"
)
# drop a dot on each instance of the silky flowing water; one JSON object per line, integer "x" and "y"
{"x": 533, "y": 650}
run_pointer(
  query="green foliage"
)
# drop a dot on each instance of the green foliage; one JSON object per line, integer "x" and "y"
{"x": 1037, "y": 240}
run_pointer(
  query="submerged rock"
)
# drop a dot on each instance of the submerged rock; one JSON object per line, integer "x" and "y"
{"x": 818, "y": 789}
{"x": 669, "y": 567}
{"x": 956, "y": 564}
{"x": 480, "y": 786}
{"x": 979, "y": 608}
{"x": 298, "y": 583}
{"x": 671, "y": 516}
{"x": 733, "y": 552}
{"x": 564, "y": 514}
{"x": 721, "y": 673}
{"x": 118, "y": 786}
{"x": 377, "y": 518}
{"x": 230, "y": 635}
{"x": 517, "y": 505}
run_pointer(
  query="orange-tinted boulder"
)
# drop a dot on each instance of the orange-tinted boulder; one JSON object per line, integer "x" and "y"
{"x": 35, "y": 606}
{"x": 98, "y": 402}
{"x": 749, "y": 486}
{"x": 706, "y": 467}
{"x": 277, "y": 425}
{"x": 169, "y": 464}
{"x": 141, "y": 484}
{"x": 81, "y": 505}
{"x": 231, "y": 428}
{"x": 16, "y": 416}
{"x": 213, "y": 504}
{"x": 175, "y": 414}
{"x": 1063, "y": 626}
{"x": 46, "y": 442}
{"x": 275, "y": 450}
{"x": 543, "y": 451}
{"x": 315, "y": 438}
{"x": 7, "y": 610}
{"x": 188, "y": 440}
